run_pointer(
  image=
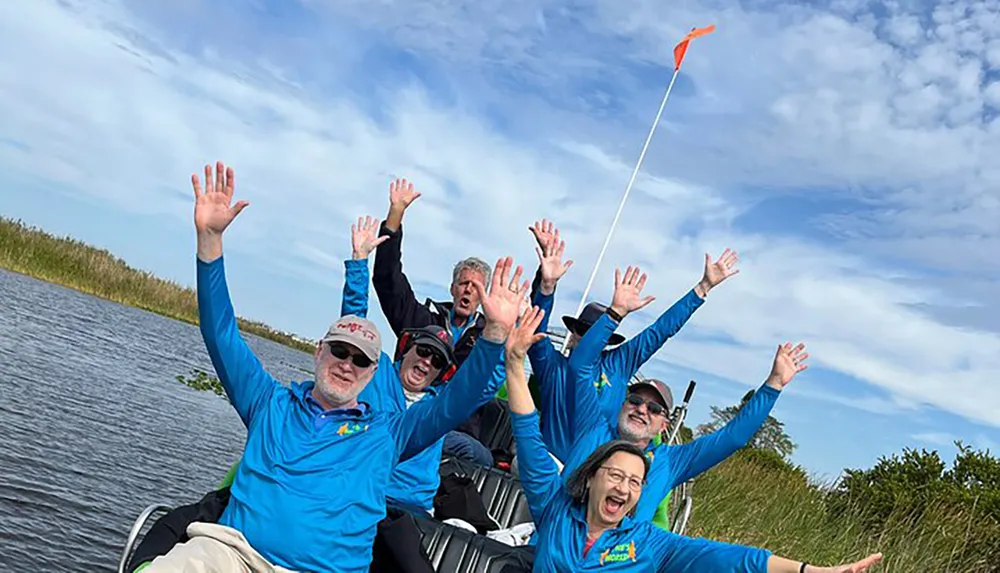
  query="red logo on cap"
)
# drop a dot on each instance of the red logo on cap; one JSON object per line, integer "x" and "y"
{"x": 355, "y": 327}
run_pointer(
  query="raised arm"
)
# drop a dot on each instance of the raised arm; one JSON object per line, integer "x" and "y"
{"x": 698, "y": 456}
{"x": 551, "y": 268}
{"x": 539, "y": 474}
{"x": 628, "y": 358}
{"x": 479, "y": 377}
{"x": 248, "y": 386}
{"x": 399, "y": 304}
{"x": 364, "y": 239}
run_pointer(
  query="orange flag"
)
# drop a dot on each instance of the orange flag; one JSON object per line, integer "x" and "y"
{"x": 681, "y": 48}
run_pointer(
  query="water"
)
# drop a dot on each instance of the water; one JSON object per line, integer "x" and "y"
{"x": 94, "y": 425}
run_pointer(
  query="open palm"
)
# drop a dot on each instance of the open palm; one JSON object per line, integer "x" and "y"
{"x": 550, "y": 258}
{"x": 788, "y": 361}
{"x": 401, "y": 193}
{"x": 856, "y": 567}
{"x": 721, "y": 269}
{"x": 524, "y": 336}
{"x": 628, "y": 291}
{"x": 364, "y": 237}
{"x": 213, "y": 208}
{"x": 502, "y": 304}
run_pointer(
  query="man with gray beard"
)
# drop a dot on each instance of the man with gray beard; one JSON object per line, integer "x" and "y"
{"x": 648, "y": 404}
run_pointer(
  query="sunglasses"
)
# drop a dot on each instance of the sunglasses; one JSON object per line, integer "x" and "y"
{"x": 654, "y": 407}
{"x": 342, "y": 352}
{"x": 438, "y": 360}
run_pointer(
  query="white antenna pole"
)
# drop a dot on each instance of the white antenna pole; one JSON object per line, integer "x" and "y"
{"x": 621, "y": 205}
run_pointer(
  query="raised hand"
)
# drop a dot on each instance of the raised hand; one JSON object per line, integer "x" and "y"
{"x": 856, "y": 567}
{"x": 401, "y": 194}
{"x": 544, "y": 231}
{"x": 213, "y": 208}
{"x": 628, "y": 290}
{"x": 550, "y": 251}
{"x": 523, "y": 336}
{"x": 718, "y": 271}
{"x": 364, "y": 237}
{"x": 502, "y": 304}
{"x": 788, "y": 362}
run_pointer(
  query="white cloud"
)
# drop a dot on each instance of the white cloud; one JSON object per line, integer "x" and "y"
{"x": 129, "y": 122}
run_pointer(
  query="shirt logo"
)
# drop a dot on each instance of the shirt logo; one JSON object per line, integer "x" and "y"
{"x": 619, "y": 553}
{"x": 651, "y": 455}
{"x": 602, "y": 382}
{"x": 348, "y": 429}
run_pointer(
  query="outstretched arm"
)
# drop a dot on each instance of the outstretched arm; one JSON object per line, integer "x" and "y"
{"x": 364, "y": 240}
{"x": 689, "y": 555}
{"x": 248, "y": 386}
{"x": 395, "y": 295}
{"x": 551, "y": 269}
{"x": 695, "y": 457}
{"x": 628, "y": 358}
{"x": 538, "y": 472}
{"x": 479, "y": 377}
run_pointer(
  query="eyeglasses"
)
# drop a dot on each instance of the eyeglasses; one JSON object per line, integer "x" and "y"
{"x": 343, "y": 352}
{"x": 616, "y": 476}
{"x": 654, "y": 407}
{"x": 438, "y": 360}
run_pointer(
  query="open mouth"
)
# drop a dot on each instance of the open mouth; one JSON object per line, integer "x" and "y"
{"x": 420, "y": 370}
{"x": 638, "y": 419}
{"x": 613, "y": 504}
{"x": 464, "y": 302}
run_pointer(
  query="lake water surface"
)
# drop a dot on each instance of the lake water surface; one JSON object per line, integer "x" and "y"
{"x": 94, "y": 425}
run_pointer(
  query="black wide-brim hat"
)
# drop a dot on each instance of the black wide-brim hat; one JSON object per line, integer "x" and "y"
{"x": 588, "y": 316}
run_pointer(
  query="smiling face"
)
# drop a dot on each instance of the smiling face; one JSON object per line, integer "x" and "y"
{"x": 636, "y": 422}
{"x": 342, "y": 371}
{"x": 420, "y": 366}
{"x": 615, "y": 489}
{"x": 464, "y": 295}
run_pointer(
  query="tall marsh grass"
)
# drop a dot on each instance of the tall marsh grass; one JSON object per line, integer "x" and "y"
{"x": 72, "y": 263}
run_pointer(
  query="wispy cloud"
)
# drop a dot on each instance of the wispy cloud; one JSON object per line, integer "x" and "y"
{"x": 529, "y": 109}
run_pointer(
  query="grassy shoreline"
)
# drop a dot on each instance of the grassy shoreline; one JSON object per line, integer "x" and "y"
{"x": 74, "y": 264}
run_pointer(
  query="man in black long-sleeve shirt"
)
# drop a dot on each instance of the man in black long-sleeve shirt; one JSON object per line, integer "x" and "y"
{"x": 460, "y": 315}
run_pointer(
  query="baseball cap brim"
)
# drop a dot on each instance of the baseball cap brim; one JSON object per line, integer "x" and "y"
{"x": 664, "y": 393}
{"x": 370, "y": 352}
{"x": 578, "y": 328}
{"x": 435, "y": 342}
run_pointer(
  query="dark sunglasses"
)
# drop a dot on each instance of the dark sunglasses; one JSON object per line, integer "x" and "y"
{"x": 654, "y": 408}
{"x": 342, "y": 352}
{"x": 438, "y": 360}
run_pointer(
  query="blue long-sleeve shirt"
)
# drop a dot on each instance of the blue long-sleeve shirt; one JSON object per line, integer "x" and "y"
{"x": 413, "y": 483}
{"x": 670, "y": 465}
{"x": 610, "y": 383}
{"x": 635, "y": 545}
{"x": 308, "y": 496}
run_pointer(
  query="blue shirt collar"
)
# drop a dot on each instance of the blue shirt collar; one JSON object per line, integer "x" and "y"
{"x": 304, "y": 392}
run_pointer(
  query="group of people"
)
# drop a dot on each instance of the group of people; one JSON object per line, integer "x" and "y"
{"x": 324, "y": 458}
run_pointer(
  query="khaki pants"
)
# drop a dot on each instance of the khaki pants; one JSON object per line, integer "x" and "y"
{"x": 213, "y": 548}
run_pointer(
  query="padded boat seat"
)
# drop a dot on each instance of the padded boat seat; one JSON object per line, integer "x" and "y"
{"x": 456, "y": 550}
{"x": 501, "y": 492}
{"x": 495, "y": 431}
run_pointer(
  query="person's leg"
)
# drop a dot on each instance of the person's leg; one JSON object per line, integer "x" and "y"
{"x": 465, "y": 447}
{"x": 199, "y": 555}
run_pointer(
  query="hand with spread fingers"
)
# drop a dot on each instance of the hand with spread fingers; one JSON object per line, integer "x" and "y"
{"x": 550, "y": 251}
{"x": 214, "y": 209}
{"x": 717, "y": 272}
{"x": 364, "y": 237}
{"x": 628, "y": 291}
{"x": 523, "y": 335}
{"x": 856, "y": 567}
{"x": 788, "y": 361}
{"x": 401, "y": 196}
{"x": 502, "y": 304}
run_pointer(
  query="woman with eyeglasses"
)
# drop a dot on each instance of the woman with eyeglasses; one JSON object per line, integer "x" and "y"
{"x": 586, "y": 524}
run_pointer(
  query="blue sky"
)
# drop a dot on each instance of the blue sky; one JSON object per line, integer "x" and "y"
{"x": 846, "y": 149}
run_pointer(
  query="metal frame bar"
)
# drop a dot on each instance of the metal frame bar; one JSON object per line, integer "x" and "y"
{"x": 133, "y": 534}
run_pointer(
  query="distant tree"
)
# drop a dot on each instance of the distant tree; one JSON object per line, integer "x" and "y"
{"x": 770, "y": 436}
